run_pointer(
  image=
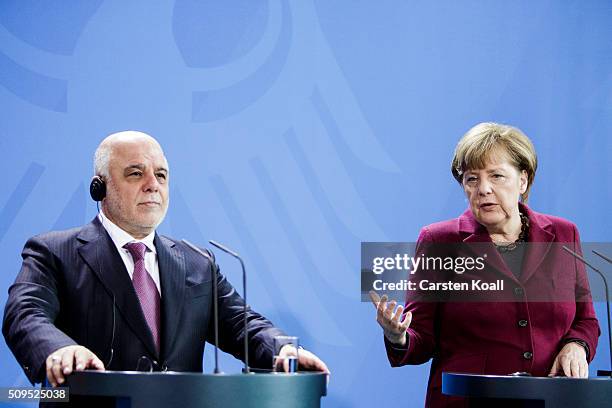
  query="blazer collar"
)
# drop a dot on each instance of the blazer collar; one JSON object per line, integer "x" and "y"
{"x": 172, "y": 272}
{"x": 539, "y": 226}
{"x": 541, "y": 236}
{"x": 540, "y": 233}
{"x": 101, "y": 255}
{"x": 121, "y": 237}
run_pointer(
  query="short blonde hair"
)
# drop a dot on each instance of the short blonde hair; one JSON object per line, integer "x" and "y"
{"x": 475, "y": 147}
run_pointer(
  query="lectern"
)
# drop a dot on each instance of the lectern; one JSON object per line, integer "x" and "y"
{"x": 173, "y": 389}
{"x": 556, "y": 392}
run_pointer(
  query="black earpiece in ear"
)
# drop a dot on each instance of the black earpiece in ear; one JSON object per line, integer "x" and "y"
{"x": 97, "y": 188}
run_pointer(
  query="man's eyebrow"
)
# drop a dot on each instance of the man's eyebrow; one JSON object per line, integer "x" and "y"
{"x": 142, "y": 167}
{"x": 133, "y": 167}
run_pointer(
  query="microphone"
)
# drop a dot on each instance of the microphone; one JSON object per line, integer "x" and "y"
{"x": 112, "y": 350}
{"x": 605, "y": 281}
{"x": 246, "y": 369}
{"x": 215, "y": 300}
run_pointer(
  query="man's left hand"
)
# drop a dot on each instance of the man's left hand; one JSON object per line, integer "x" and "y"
{"x": 306, "y": 359}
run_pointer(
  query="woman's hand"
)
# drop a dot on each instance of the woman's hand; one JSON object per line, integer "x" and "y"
{"x": 393, "y": 327}
{"x": 571, "y": 361}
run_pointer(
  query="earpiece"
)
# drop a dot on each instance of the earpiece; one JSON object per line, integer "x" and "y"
{"x": 97, "y": 188}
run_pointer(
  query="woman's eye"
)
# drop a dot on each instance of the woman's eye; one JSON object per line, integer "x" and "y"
{"x": 161, "y": 175}
{"x": 136, "y": 173}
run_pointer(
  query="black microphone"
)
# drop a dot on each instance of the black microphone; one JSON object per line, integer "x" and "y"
{"x": 246, "y": 369}
{"x": 215, "y": 300}
{"x": 607, "y": 373}
{"x": 112, "y": 350}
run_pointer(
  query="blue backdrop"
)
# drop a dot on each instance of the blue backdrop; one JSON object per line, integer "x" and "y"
{"x": 295, "y": 129}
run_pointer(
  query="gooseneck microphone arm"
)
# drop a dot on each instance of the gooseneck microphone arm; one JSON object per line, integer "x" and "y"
{"x": 244, "y": 295}
{"x": 605, "y": 281}
{"x": 215, "y": 300}
{"x": 599, "y": 254}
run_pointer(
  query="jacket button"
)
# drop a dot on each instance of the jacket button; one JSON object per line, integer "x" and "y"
{"x": 527, "y": 355}
{"x": 519, "y": 291}
{"x": 522, "y": 323}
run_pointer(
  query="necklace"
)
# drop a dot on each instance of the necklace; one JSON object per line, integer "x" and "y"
{"x": 522, "y": 236}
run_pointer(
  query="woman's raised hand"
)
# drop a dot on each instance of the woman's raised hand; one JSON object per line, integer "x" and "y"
{"x": 390, "y": 319}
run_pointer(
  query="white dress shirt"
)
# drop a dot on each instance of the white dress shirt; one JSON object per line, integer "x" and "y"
{"x": 120, "y": 238}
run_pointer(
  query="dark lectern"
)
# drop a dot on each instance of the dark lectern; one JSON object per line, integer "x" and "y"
{"x": 173, "y": 389}
{"x": 556, "y": 392}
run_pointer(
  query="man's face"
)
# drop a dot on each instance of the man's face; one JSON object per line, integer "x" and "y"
{"x": 137, "y": 192}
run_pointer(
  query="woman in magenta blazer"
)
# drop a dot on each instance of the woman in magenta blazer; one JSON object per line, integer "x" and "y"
{"x": 495, "y": 165}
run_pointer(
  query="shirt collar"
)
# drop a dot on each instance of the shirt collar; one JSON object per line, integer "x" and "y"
{"x": 121, "y": 237}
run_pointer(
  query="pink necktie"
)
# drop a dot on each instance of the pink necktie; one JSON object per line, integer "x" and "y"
{"x": 145, "y": 289}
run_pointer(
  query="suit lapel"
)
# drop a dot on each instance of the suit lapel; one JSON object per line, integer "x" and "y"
{"x": 172, "y": 280}
{"x": 539, "y": 243}
{"x": 100, "y": 254}
{"x": 477, "y": 237}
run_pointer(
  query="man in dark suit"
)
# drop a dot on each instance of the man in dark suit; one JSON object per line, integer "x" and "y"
{"x": 115, "y": 295}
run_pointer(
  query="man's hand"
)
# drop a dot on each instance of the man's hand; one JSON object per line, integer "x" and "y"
{"x": 63, "y": 361}
{"x": 393, "y": 327}
{"x": 571, "y": 361}
{"x": 306, "y": 360}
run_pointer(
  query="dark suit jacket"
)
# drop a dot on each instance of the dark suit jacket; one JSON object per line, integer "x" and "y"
{"x": 73, "y": 288}
{"x": 489, "y": 337}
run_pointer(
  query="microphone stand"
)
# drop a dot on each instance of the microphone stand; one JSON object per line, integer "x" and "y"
{"x": 228, "y": 251}
{"x": 603, "y": 372}
{"x": 607, "y": 373}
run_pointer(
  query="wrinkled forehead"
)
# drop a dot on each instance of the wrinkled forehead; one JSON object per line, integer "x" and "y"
{"x": 144, "y": 151}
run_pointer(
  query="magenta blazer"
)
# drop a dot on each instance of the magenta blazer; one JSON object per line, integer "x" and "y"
{"x": 502, "y": 337}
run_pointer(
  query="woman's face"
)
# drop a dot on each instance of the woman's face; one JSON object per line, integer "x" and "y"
{"x": 493, "y": 192}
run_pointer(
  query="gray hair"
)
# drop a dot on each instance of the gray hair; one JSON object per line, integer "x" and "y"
{"x": 105, "y": 149}
{"x": 102, "y": 160}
